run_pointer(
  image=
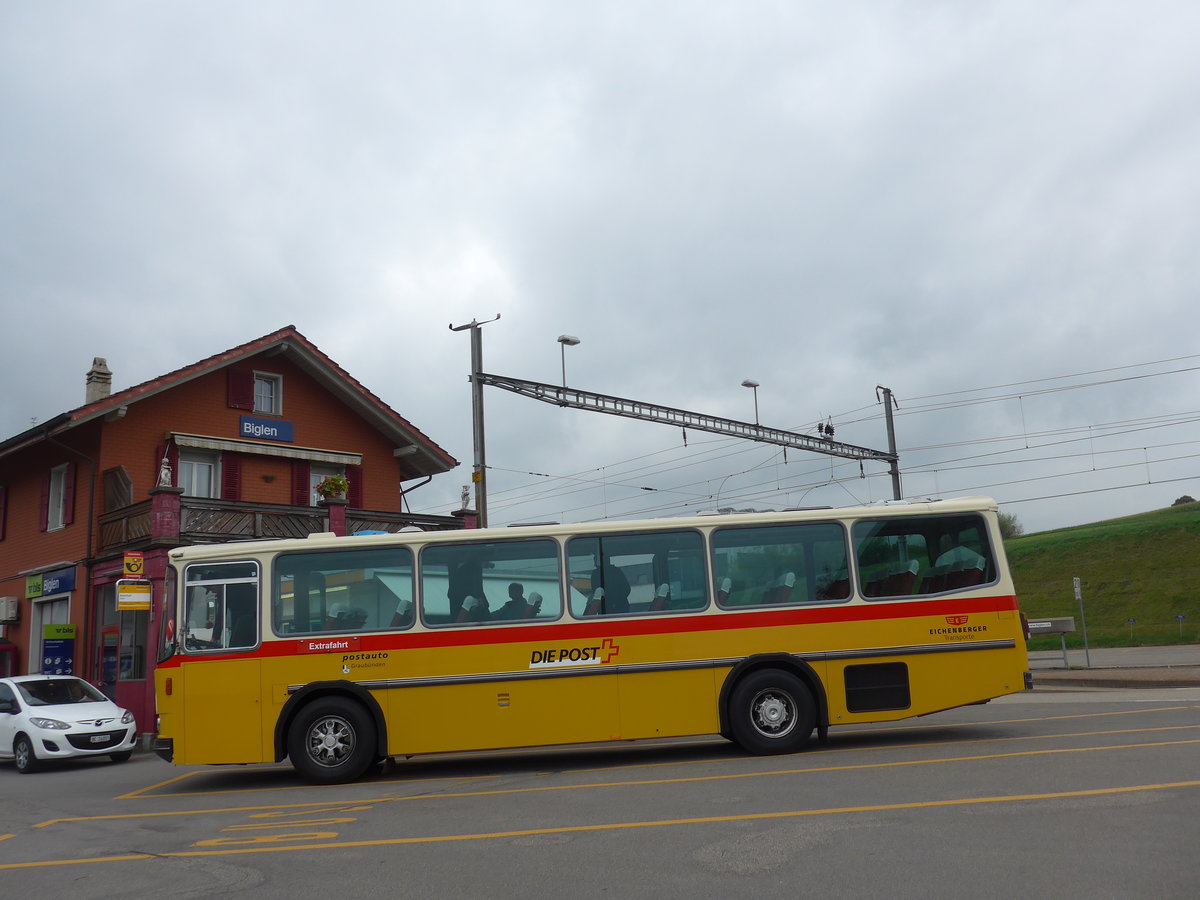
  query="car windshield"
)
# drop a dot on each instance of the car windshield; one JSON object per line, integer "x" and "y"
{"x": 58, "y": 691}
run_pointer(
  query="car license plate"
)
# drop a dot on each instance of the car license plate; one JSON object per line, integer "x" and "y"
{"x": 98, "y": 738}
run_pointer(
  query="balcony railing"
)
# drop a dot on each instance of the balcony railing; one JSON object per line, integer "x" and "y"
{"x": 204, "y": 521}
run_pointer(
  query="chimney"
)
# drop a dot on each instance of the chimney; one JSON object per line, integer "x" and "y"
{"x": 99, "y": 380}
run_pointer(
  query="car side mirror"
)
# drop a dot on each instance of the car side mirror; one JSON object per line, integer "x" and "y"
{"x": 8, "y": 706}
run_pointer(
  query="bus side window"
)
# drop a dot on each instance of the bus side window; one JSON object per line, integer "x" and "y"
{"x": 770, "y": 565}
{"x": 644, "y": 572}
{"x": 356, "y": 589}
{"x": 922, "y": 555}
{"x": 220, "y": 606}
{"x": 490, "y": 582}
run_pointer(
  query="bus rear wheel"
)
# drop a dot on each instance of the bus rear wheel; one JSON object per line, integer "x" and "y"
{"x": 331, "y": 741}
{"x": 771, "y": 711}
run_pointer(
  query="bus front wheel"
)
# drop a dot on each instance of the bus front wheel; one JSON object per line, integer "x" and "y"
{"x": 331, "y": 741}
{"x": 771, "y": 711}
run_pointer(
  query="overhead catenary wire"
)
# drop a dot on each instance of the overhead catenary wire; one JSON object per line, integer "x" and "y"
{"x": 639, "y": 475}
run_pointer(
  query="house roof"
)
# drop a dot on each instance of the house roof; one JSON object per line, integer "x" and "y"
{"x": 426, "y": 459}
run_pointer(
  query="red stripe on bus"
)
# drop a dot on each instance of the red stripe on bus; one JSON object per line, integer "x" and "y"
{"x": 576, "y": 630}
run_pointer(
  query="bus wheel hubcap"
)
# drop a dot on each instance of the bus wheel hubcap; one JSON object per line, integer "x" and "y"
{"x": 330, "y": 741}
{"x": 771, "y": 714}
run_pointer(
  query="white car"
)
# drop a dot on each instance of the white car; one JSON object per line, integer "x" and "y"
{"x": 44, "y": 717}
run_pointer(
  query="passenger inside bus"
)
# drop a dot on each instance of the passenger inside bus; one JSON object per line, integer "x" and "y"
{"x": 517, "y": 606}
{"x": 473, "y": 609}
{"x": 466, "y": 581}
{"x": 610, "y": 591}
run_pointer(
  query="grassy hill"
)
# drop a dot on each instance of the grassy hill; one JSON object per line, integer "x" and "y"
{"x": 1144, "y": 567}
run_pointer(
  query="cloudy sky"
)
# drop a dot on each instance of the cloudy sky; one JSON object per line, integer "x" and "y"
{"x": 992, "y": 208}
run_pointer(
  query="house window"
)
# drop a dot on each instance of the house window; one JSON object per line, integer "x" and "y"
{"x": 268, "y": 394}
{"x": 56, "y": 507}
{"x": 118, "y": 489}
{"x": 199, "y": 474}
{"x": 317, "y": 474}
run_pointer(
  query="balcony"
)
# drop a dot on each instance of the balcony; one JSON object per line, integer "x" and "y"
{"x": 203, "y": 521}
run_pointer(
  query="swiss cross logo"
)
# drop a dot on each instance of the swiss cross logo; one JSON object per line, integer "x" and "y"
{"x": 957, "y": 620}
{"x": 609, "y": 649}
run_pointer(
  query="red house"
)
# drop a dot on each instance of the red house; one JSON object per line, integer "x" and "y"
{"x": 228, "y": 448}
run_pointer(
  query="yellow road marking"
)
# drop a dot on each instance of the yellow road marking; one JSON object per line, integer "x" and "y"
{"x": 454, "y": 779}
{"x": 143, "y": 793}
{"x": 877, "y": 747}
{"x": 316, "y": 807}
{"x": 618, "y": 826}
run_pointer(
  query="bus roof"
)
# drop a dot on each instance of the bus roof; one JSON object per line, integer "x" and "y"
{"x": 328, "y": 540}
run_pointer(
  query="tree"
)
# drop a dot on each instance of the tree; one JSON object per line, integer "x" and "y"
{"x": 1184, "y": 499}
{"x": 1009, "y": 526}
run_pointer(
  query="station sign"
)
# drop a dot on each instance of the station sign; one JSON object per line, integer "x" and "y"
{"x": 266, "y": 429}
{"x": 58, "y": 649}
{"x": 134, "y": 593}
{"x": 44, "y": 584}
{"x": 135, "y": 563}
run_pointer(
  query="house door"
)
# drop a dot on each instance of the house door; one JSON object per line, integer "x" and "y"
{"x": 51, "y": 611}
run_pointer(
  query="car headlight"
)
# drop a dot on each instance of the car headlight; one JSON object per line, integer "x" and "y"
{"x": 126, "y": 717}
{"x": 52, "y": 724}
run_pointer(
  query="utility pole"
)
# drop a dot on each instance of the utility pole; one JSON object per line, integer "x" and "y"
{"x": 479, "y": 472}
{"x": 894, "y": 463}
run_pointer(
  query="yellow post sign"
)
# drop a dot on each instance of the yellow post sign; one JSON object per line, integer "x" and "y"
{"x": 135, "y": 564}
{"x": 133, "y": 593}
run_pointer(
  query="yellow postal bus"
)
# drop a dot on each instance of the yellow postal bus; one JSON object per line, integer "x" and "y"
{"x": 339, "y": 652}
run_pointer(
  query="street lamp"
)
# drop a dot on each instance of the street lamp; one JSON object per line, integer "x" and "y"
{"x": 567, "y": 340}
{"x": 751, "y": 383}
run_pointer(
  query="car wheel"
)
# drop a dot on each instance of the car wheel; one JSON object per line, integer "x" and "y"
{"x": 121, "y": 756}
{"x": 24, "y": 756}
{"x": 332, "y": 740}
{"x": 771, "y": 711}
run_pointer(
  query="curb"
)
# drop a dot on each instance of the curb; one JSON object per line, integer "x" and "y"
{"x": 1157, "y": 677}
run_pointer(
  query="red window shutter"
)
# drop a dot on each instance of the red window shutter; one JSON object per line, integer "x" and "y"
{"x": 44, "y": 512}
{"x": 301, "y": 496}
{"x": 354, "y": 497}
{"x": 3, "y": 510}
{"x": 240, "y": 389}
{"x": 231, "y": 476}
{"x": 69, "y": 495}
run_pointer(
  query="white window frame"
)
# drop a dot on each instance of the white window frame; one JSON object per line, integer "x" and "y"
{"x": 188, "y": 463}
{"x": 56, "y": 506}
{"x": 317, "y": 474}
{"x": 275, "y": 383}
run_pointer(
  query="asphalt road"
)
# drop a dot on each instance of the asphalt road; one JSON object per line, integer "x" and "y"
{"x": 1071, "y": 794}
